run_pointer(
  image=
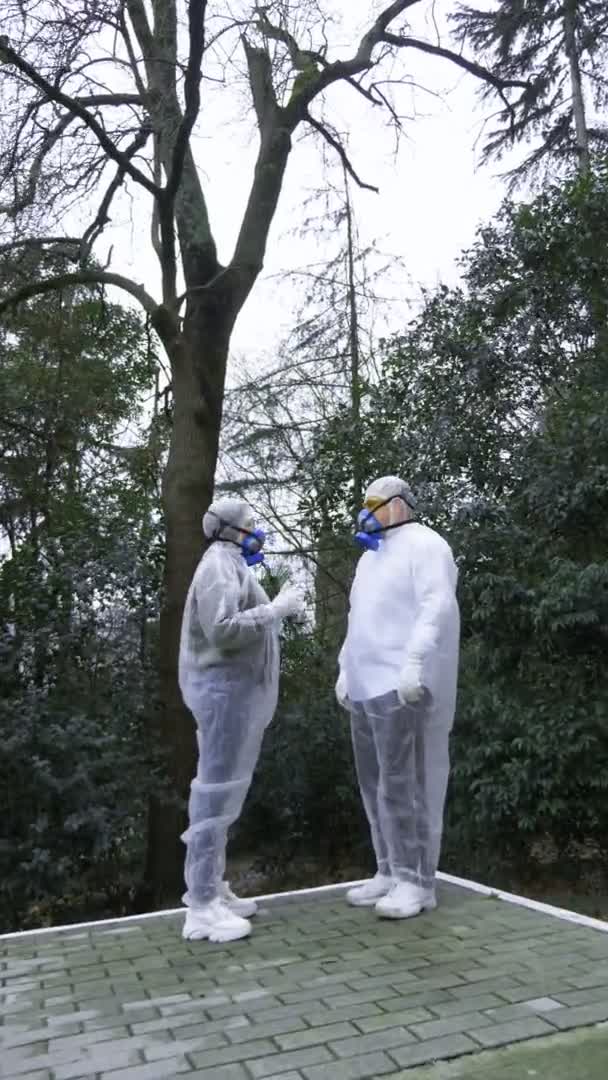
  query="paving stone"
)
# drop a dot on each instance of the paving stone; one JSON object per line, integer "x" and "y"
{"x": 445, "y": 981}
{"x": 238, "y": 1052}
{"x": 25, "y": 1058}
{"x": 291, "y": 1060}
{"x": 156, "y": 1051}
{"x": 449, "y": 1046}
{"x": 44, "y": 1075}
{"x": 386, "y": 980}
{"x": 527, "y": 991}
{"x": 16, "y": 1038}
{"x": 112, "y": 1013}
{"x": 148, "y": 1002}
{"x": 343, "y": 1001}
{"x": 543, "y": 1004}
{"x": 589, "y": 980}
{"x": 514, "y": 1031}
{"x": 583, "y": 997}
{"x": 504, "y": 1013}
{"x": 376, "y": 1040}
{"x": 450, "y": 1025}
{"x": 107, "y": 1057}
{"x": 314, "y": 993}
{"x": 291, "y": 1075}
{"x": 282, "y": 1011}
{"x": 58, "y": 1044}
{"x": 352, "y": 1068}
{"x": 401, "y": 1018}
{"x": 166, "y": 1023}
{"x": 155, "y": 1070}
{"x": 467, "y": 1004}
{"x": 235, "y": 1008}
{"x": 315, "y": 1036}
{"x": 427, "y": 999}
{"x": 351, "y": 1012}
{"x": 226, "y": 1072}
{"x": 271, "y": 1030}
{"x": 580, "y": 1016}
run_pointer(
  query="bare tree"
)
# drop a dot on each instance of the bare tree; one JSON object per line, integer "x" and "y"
{"x": 104, "y": 98}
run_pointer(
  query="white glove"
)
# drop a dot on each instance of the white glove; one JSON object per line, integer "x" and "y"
{"x": 290, "y": 601}
{"x": 410, "y": 688}
{"x": 341, "y": 694}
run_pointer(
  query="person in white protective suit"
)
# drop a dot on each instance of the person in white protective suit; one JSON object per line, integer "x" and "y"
{"x": 398, "y": 671}
{"x": 229, "y": 678}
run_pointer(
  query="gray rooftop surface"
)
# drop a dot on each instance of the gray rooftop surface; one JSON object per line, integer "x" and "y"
{"x": 320, "y": 991}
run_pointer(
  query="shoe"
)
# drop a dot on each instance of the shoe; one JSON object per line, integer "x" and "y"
{"x": 405, "y": 900}
{"x": 368, "y": 894}
{"x": 245, "y": 908}
{"x": 214, "y": 922}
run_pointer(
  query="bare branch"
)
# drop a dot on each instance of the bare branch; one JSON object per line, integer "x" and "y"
{"x": 126, "y": 37}
{"x": 367, "y": 93}
{"x": 260, "y": 81}
{"x": 336, "y": 145}
{"x": 186, "y": 201}
{"x": 75, "y": 109}
{"x": 478, "y": 70}
{"x": 362, "y": 60}
{"x": 92, "y": 100}
{"x": 80, "y": 277}
{"x": 192, "y": 93}
{"x": 102, "y": 217}
{"x": 158, "y": 179}
{"x": 27, "y": 196}
{"x": 300, "y": 58}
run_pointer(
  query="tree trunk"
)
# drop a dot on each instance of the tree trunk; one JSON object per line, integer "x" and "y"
{"x": 578, "y": 100}
{"x": 355, "y": 365}
{"x": 198, "y": 372}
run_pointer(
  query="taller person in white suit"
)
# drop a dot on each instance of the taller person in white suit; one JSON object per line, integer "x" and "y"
{"x": 398, "y": 675}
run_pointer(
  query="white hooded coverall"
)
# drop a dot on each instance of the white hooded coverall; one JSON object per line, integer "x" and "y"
{"x": 403, "y": 610}
{"x": 229, "y": 677}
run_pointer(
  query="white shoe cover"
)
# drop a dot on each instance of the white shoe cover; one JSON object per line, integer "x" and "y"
{"x": 214, "y": 922}
{"x": 240, "y": 906}
{"x": 368, "y": 894}
{"x": 405, "y": 901}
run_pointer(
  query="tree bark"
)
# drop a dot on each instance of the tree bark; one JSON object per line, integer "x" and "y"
{"x": 578, "y": 100}
{"x": 353, "y": 333}
{"x": 199, "y": 365}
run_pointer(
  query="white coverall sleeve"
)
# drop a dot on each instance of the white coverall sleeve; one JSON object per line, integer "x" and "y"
{"x": 225, "y": 626}
{"x": 435, "y": 578}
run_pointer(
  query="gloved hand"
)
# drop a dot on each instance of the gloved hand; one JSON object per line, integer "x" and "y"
{"x": 341, "y": 695}
{"x": 290, "y": 601}
{"x": 410, "y": 688}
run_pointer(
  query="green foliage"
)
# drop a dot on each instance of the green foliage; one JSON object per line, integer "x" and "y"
{"x": 304, "y": 796}
{"x": 494, "y": 403}
{"x": 79, "y": 580}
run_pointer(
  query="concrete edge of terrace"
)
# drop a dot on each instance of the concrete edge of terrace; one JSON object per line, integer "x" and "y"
{"x": 326, "y": 891}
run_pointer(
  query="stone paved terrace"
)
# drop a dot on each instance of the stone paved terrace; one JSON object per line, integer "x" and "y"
{"x": 320, "y": 992}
